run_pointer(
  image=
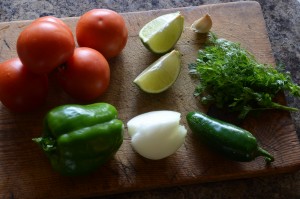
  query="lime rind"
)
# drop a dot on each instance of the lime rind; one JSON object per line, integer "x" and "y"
{"x": 162, "y": 33}
{"x": 161, "y": 74}
{"x": 157, "y": 25}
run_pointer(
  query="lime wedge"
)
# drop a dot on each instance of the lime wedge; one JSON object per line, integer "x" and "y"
{"x": 161, "y": 74}
{"x": 162, "y": 33}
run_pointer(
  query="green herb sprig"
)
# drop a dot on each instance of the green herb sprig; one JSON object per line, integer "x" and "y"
{"x": 230, "y": 77}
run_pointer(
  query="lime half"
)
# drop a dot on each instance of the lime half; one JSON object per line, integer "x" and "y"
{"x": 162, "y": 33}
{"x": 161, "y": 74}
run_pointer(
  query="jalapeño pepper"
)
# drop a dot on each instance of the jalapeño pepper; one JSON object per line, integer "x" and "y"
{"x": 79, "y": 138}
{"x": 232, "y": 141}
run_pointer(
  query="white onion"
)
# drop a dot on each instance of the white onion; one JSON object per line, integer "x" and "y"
{"x": 157, "y": 134}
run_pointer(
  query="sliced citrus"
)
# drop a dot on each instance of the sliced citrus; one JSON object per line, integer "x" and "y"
{"x": 162, "y": 33}
{"x": 161, "y": 74}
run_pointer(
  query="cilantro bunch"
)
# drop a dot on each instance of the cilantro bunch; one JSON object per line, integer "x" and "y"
{"x": 230, "y": 77}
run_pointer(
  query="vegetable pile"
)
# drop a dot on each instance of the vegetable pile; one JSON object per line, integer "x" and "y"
{"x": 78, "y": 139}
{"x": 47, "y": 46}
{"x": 231, "y": 78}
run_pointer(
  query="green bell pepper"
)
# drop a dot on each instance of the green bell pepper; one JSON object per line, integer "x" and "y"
{"x": 80, "y": 138}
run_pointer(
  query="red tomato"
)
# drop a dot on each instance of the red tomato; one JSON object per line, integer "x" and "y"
{"x": 20, "y": 89}
{"x": 86, "y": 74}
{"x": 103, "y": 30}
{"x": 54, "y": 20}
{"x": 44, "y": 45}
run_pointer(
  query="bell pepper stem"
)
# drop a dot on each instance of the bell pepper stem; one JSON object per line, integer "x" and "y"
{"x": 47, "y": 144}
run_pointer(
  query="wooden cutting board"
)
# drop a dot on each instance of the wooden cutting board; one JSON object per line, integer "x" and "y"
{"x": 25, "y": 172}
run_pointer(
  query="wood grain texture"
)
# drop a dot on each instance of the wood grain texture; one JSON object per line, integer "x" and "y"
{"x": 25, "y": 172}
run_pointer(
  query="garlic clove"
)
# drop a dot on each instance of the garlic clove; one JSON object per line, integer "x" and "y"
{"x": 202, "y": 25}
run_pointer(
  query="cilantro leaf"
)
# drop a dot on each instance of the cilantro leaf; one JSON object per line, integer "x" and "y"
{"x": 230, "y": 77}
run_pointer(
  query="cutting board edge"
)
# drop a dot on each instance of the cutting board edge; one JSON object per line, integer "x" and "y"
{"x": 195, "y": 182}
